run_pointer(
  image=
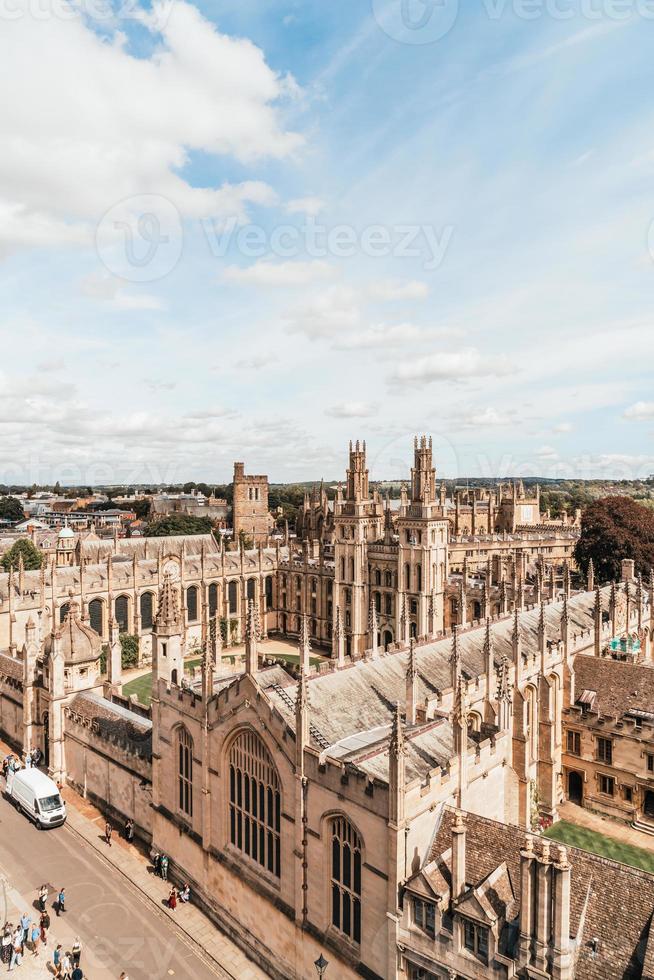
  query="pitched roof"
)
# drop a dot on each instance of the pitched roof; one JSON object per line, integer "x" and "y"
{"x": 619, "y": 686}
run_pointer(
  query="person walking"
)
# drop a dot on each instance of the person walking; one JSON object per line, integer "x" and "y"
{"x": 35, "y": 936}
{"x": 17, "y": 948}
{"x": 129, "y": 831}
{"x": 56, "y": 959}
{"x": 6, "y": 944}
{"x": 172, "y": 899}
{"x": 43, "y": 897}
{"x": 61, "y": 901}
{"x": 77, "y": 974}
{"x": 156, "y": 862}
{"x": 44, "y": 925}
{"x": 77, "y": 951}
{"x": 163, "y": 865}
{"x": 107, "y": 833}
{"x": 25, "y": 923}
{"x": 185, "y": 893}
{"x": 66, "y": 967}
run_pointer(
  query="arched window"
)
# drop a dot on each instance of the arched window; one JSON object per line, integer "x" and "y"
{"x": 249, "y": 588}
{"x": 269, "y": 592}
{"x": 146, "y": 603}
{"x": 185, "y": 771}
{"x": 389, "y": 604}
{"x": 96, "y": 617}
{"x": 531, "y": 721}
{"x": 378, "y": 601}
{"x": 121, "y": 607}
{"x": 377, "y": 577}
{"x": 352, "y": 569}
{"x": 63, "y": 611}
{"x": 213, "y": 600}
{"x": 254, "y": 802}
{"x": 346, "y": 879}
{"x": 342, "y": 568}
{"x": 418, "y": 578}
{"x": 192, "y": 603}
{"x": 232, "y": 592}
{"x": 407, "y": 577}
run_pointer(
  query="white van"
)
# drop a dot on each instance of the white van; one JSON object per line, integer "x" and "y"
{"x": 37, "y": 796}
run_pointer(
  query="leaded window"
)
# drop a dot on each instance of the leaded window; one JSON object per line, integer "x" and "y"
{"x": 254, "y": 802}
{"x": 147, "y": 610}
{"x": 185, "y": 771}
{"x": 96, "y": 617}
{"x": 192, "y": 603}
{"x": 346, "y": 879}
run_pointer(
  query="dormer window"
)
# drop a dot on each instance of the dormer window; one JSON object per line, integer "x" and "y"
{"x": 475, "y": 940}
{"x": 424, "y": 916}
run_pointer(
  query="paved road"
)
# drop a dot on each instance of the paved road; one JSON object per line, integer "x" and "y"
{"x": 119, "y": 929}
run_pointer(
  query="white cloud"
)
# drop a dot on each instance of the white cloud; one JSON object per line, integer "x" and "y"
{"x": 273, "y": 274}
{"x": 640, "y": 411}
{"x": 481, "y": 418}
{"x": 334, "y": 311}
{"x": 109, "y": 290}
{"x": 351, "y": 410}
{"x": 383, "y": 337}
{"x": 547, "y": 452}
{"x": 256, "y": 362}
{"x": 306, "y": 205}
{"x": 95, "y": 125}
{"x": 451, "y": 366}
{"x": 395, "y": 289}
{"x": 562, "y": 427}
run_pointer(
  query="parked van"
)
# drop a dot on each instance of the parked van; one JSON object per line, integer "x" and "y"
{"x": 37, "y": 796}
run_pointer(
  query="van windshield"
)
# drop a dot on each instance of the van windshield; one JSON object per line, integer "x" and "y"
{"x": 50, "y": 803}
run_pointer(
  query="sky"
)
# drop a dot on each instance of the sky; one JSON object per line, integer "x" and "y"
{"x": 257, "y": 231}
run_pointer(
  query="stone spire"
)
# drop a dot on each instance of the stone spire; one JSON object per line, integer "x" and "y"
{"x": 305, "y": 645}
{"x": 504, "y": 695}
{"x": 412, "y": 685}
{"x": 460, "y": 726}
{"x": 302, "y": 718}
{"x": 373, "y": 628}
{"x": 597, "y": 620}
{"x": 404, "y": 620}
{"x": 591, "y": 576}
{"x": 455, "y": 659}
{"x": 251, "y": 650}
{"x": 566, "y": 581}
{"x": 489, "y": 660}
{"x": 168, "y": 609}
{"x": 517, "y": 646}
{"x": 396, "y": 771}
{"x": 338, "y": 638}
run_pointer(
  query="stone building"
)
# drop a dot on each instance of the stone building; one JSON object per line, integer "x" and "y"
{"x": 250, "y": 514}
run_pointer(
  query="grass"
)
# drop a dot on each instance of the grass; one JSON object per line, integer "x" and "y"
{"x": 142, "y": 686}
{"x": 608, "y": 847}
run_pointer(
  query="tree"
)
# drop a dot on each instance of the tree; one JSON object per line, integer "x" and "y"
{"x": 172, "y": 524}
{"x": 614, "y": 528}
{"x": 11, "y": 509}
{"x": 32, "y": 557}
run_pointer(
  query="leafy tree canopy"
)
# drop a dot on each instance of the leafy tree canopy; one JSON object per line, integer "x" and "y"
{"x": 11, "y": 509}
{"x": 172, "y": 524}
{"x": 614, "y": 528}
{"x": 32, "y": 557}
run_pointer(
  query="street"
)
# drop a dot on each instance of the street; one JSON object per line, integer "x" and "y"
{"x": 119, "y": 928}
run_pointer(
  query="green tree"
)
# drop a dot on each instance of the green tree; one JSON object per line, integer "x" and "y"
{"x": 614, "y": 528}
{"x": 11, "y": 509}
{"x": 32, "y": 557}
{"x": 173, "y": 524}
{"x": 129, "y": 650}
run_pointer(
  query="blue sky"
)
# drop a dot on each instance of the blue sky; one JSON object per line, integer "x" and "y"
{"x": 257, "y": 231}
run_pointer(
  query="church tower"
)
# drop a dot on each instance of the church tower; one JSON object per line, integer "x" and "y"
{"x": 358, "y": 521}
{"x": 167, "y": 635}
{"x": 422, "y": 554}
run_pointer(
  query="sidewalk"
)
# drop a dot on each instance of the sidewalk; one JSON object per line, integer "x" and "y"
{"x": 88, "y": 823}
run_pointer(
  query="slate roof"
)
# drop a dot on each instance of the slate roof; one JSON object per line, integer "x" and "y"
{"x": 620, "y": 686}
{"x": 608, "y": 900}
{"x": 10, "y": 667}
{"x": 114, "y": 721}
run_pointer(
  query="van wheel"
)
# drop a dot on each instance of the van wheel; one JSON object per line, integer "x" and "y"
{"x": 38, "y": 825}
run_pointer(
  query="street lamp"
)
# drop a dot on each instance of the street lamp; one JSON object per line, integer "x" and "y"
{"x": 321, "y": 965}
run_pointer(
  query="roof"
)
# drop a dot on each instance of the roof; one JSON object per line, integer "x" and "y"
{"x": 11, "y": 667}
{"x": 113, "y": 720}
{"x": 79, "y": 643}
{"x": 608, "y": 900}
{"x": 619, "y": 686}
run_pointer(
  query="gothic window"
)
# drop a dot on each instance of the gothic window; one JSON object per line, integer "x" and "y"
{"x": 346, "y": 879}
{"x": 232, "y": 592}
{"x": 532, "y": 721}
{"x": 63, "y": 611}
{"x": 342, "y": 568}
{"x": 213, "y": 600}
{"x": 418, "y": 578}
{"x": 254, "y": 802}
{"x": 121, "y": 613}
{"x": 96, "y": 617}
{"x": 313, "y": 585}
{"x": 269, "y": 592}
{"x": 313, "y": 607}
{"x": 185, "y": 771}
{"x": 388, "y": 580}
{"x": 378, "y": 601}
{"x": 352, "y": 569}
{"x": 146, "y": 606}
{"x": 250, "y": 588}
{"x": 389, "y": 604}
{"x": 192, "y": 603}
{"x": 378, "y": 578}
{"x": 407, "y": 577}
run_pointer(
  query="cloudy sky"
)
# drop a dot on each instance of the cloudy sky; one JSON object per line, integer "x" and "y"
{"x": 255, "y": 231}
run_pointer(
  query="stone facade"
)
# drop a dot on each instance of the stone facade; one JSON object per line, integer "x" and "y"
{"x": 250, "y": 514}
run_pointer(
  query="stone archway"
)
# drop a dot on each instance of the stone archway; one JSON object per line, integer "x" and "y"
{"x": 576, "y": 788}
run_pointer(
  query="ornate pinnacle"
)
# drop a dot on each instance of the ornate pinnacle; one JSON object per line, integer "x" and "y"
{"x": 460, "y": 716}
{"x": 168, "y": 613}
{"x": 396, "y": 746}
{"x": 488, "y": 638}
{"x": 503, "y": 682}
{"x": 412, "y": 666}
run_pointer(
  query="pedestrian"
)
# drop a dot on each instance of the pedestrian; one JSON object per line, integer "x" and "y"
{"x": 56, "y": 959}
{"x": 35, "y": 936}
{"x": 172, "y": 899}
{"x": 66, "y": 967}
{"x": 185, "y": 894}
{"x": 16, "y": 951}
{"x": 28, "y": 760}
{"x": 61, "y": 902}
{"x": 156, "y": 861}
{"x": 123, "y": 976}
{"x": 77, "y": 951}
{"x": 44, "y": 925}
{"x": 107, "y": 833}
{"x": 6, "y": 944}
{"x": 77, "y": 974}
{"x": 163, "y": 866}
{"x": 43, "y": 897}
{"x": 25, "y": 923}
{"x": 129, "y": 831}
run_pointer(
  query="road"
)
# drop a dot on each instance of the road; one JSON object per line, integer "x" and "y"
{"x": 119, "y": 928}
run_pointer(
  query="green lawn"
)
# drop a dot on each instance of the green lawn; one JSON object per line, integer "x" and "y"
{"x": 142, "y": 686}
{"x": 590, "y": 840}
